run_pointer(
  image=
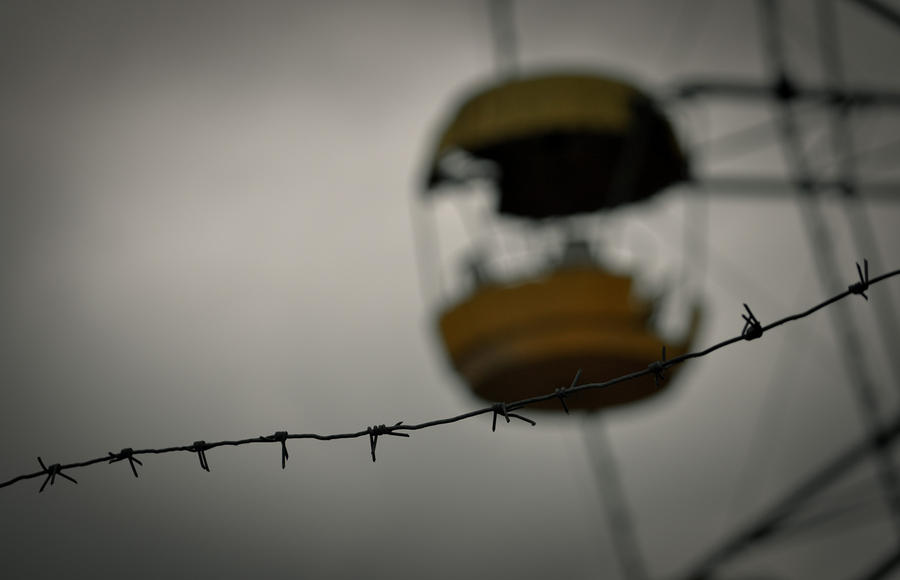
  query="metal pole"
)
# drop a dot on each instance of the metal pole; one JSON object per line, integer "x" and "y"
{"x": 621, "y": 526}
{"x": 503, "y": 32}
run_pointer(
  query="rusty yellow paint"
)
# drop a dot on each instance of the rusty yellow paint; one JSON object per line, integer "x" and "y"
{"x": 529, "y": 106}
{"x": 520, "y": 340}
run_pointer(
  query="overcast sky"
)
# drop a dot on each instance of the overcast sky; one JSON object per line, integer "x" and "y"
{"x": 205, "y": 234}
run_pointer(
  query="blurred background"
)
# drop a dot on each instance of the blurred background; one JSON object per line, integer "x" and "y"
{"x": 206, "y": 232}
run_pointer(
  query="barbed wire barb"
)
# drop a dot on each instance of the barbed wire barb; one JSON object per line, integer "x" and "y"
{"x": 862, "y": 285}
{"x": 200, "y": 447}
{"x": 127, "y": 453}
{"x": 561, "y": 392}
{"x": 377, "y": 430}
{"x": 503, "y": 409}
{"x": 657, "y": 368}
{"x": 753, "y": 329}
{"x": 52, "y": 472}
{"x": 281, "y": 437}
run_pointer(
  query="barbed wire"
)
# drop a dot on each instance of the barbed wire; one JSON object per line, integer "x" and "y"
{"x": 752, "y": 330}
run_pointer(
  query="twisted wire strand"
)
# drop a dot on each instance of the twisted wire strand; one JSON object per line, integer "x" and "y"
{"x": 753, "y": 329}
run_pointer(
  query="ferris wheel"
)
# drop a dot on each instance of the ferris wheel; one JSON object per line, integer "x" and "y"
{"x": 531, "y": 168}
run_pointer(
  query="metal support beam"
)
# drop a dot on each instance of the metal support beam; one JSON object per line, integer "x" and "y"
{"x": 767, "y": 526}
{"x": 779, "y": 187}
{"x": 881, "y": 10}
{"x": 883, "y": 568}
{"x": 740, "y": 89}
{"x": 503, "y": 33}
{"x": 877, "y": 446}
{"x": 621, "y": 525}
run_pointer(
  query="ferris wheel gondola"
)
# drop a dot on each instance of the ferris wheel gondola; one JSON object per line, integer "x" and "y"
{"x": 558, "y": 145}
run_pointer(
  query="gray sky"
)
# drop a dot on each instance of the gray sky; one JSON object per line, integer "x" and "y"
{"x": 205, "y": 234}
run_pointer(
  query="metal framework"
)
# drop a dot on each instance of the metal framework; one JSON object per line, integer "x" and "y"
{"x": 784, "y": 93}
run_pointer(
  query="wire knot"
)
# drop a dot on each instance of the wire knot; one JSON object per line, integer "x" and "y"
{"x": 752, "y": 328}
{"x": 501, "y": 409}
{"x": 52, "y": 471}
{"x": 862, "y": 285}
{"x": 562, "y": 392}
{"x": 200, "y": 447}
{"x": 281, "y": 437}
{"x": 377, "y": 430}
{"x": 127, "y": 453}
{"x": 657, "y": 367}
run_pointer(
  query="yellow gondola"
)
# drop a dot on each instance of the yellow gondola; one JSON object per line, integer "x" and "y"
{"x": 558, "y": 146}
